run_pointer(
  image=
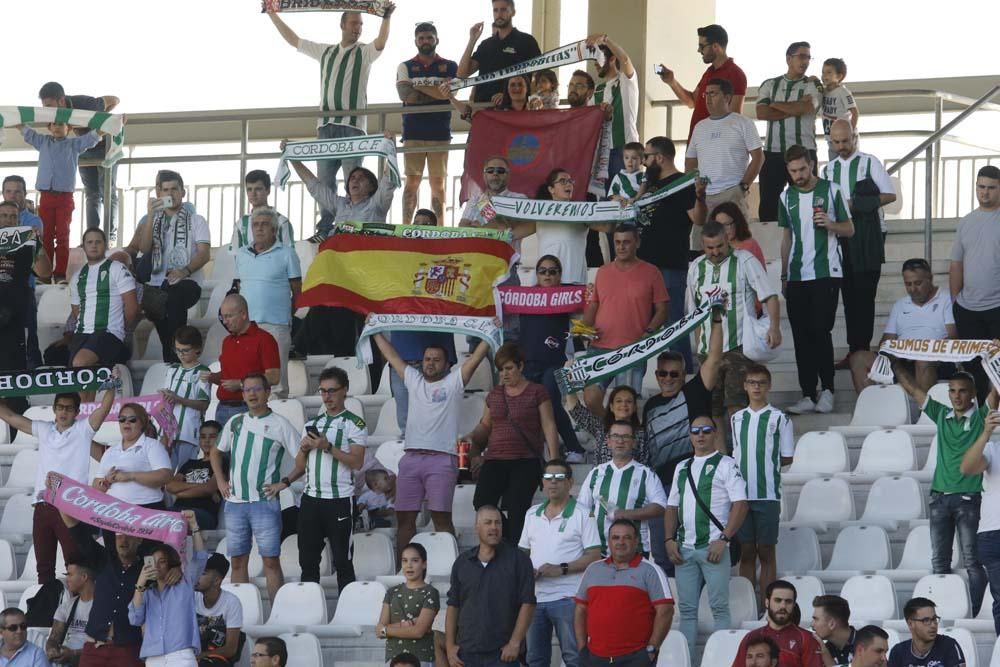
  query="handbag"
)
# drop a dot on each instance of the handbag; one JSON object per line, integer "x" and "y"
{"x": 735, "y": 548}
{"x": 754, "y": 337}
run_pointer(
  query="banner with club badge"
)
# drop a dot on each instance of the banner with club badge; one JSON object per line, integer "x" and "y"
{"x": 111, "y": 124}
{"x": 557, "y": 300}
{"x": 55, "y": 380}
{"x": 946, "y": 349}
{"x": 564, "y": 55}
{"x": 373, "y": 7}
{"x": 369, "y": 145}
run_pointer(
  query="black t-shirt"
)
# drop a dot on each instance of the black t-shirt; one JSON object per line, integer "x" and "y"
{"x": 543, "y": 339}
{"x": 944, "y": 653}
{"x": 667, "y": 426}
{"x": 845, "y": 655}
{"x": 666, "y": 234}
{"x": 196, "y": 471}
{"x": 15, "y": 268}
{"x": 88, "y": 103}
{"x": 494, "y": 54}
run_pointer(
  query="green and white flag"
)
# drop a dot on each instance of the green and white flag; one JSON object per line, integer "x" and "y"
{"x": 375, "y": 145}
{"x": 564, "y": 55}
{"x": 55, "y": 381}
{"x": 374, "y": 7}
{"x": 111, "y": 124}
{"x": 572, "y": 212}
{"x": 594, "y": 368}
{"x": 13, "y": 239}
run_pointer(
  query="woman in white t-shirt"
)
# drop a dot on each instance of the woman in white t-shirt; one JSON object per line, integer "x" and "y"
{"x": 135, "y": 469}
{"x": 567, "y": 241}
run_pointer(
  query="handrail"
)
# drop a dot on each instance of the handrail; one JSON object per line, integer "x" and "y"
{"x": 943, "y": 95}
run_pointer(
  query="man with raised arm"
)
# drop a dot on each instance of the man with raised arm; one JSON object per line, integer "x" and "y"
{"x": 507, "y": 46}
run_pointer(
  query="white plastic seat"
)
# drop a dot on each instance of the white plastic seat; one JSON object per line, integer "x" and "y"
{"x": 15, "y": 524}
{"x": 872, "y": 598}
{"x": 470, "y": 413}
{"x": 967, "y": 642}
{"x": 213, "y": 342}
{"x": 742, "y": 605}
{"x": 916, "y": 559}
{"x": 881, "y": 405}
{"x": 389, "y": 453}
{"x": 893, "y": 499}
{"x": 374, "y": 555}
{"x": 949, "y": 592}
{"x": 983, "y": 622}
{"x": 359, "y": 378}
{"x": 886, "y": 451}
{"x": 798, "y": 549}
{"x": 8, "y": 565}
{"x": 358, "y": 606}
{"x": 442, "y": 550}
{"x": 304, "y": 649}
{"x": 298, "y": 379}
{"x": 21, "y": 477}
{"x": 721, "y": 647}
{"x": 817, "y": 453}
{"x": 926, "y": 474}
{"x": 822, "y": 500}
{"x": 255, "y": 564}
{"x": 154, "y": 347}
{"x": 807, "y": 588}
{"x": 155, "y": 378}
{"x": 290, "y": 409}
{"x": 858, "y": 549}
{"x": 482, "y": 377}
{"x": 249, "y": 595}
{"x": 463, "y": 513}
{"x": 674, "y": 651}
{"x": 995, "y": 657}
{"x": 30, "y": 571}
{"x": 297, "y": 604}
{"x": 54, "y": 305}
{"x": 289, "y": 557}
{"x": 26, "y": 595}
{"x": 125, "y": 389}
{"x": 386, "y": 427}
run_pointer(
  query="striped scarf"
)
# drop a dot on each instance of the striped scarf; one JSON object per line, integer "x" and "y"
{"x": 374, "y": 7}
{"x": 339, "y": 149}
{"x": 111, "y": 124}
{"x": 564, "y": 55}
{"x": 920, "y": 349}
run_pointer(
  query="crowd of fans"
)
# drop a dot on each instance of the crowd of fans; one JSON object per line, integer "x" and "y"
{"x": 686, "y": 483}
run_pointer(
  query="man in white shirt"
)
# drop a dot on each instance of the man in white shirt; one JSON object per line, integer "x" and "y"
{"x": 428, "y": 469}
{"x": 220, "y": 615}
{"x": 983, "y": 457}
{"x": 561, "y": 538}
{"x": 926, "y": 312}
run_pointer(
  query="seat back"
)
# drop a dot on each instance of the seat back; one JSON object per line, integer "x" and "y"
{"x": 939, "y": 392}
{"x": 872, "y": 598}
{"x": 825, "y": 499}
{"x": 250, "y": 600}
{"x": 213, "y": 343}
{"x": 917, "y": 550}
{"x": 8, "y": 565}
{"x": 864, "y": 548}
{"x": 742, "y": 605}
{"x": 304, "y": 649}
{"x": 54, "y": 305}
{"x": 290, "y": 409}
{"x": 360, "y": 603}
{"x": 821, "y": 452}
{"x": 26, "y": 595}
{"x": 894, "y": 498}
{"x": 289, "y": 555}
{"x": 967, "y": 641}
{"x": 442, "y": 550}
{"x": 798, "y": 549}
{"x": 17, "y": 515}
{"x": 389, "y": 453}
{"x": 721, "y": 647}
{"x": 22, "y": 470}
{"x": 386, "y": 425}
{"x": 374, "y": 556}
{"x": 299, "y": 603}
{"x": 384, "y": 384}
{"x": 949, "y": 592}
{"x": 30, "y": 571}
{"x": 155, "y": 377}
{"x": 887, "y": 450}
{"x": 471, "y": 412}
{"x": 674, "y": 651}
{"x": 881, "y": 405}
{"x": 463, "y": 512}
{"x": 807, "y": 588}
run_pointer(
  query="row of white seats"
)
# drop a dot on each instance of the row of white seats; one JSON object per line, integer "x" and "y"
{"x": 884, "y": 451}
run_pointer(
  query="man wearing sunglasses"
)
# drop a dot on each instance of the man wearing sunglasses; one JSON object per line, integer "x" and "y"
{"x": 926, "y": 647}
{"x": 496, "y": 175}
{"x": 562, "y": 539}
{"x": 15, "y": 649}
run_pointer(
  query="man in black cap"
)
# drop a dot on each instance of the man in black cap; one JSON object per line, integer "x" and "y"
{"x": 220, "y": 616}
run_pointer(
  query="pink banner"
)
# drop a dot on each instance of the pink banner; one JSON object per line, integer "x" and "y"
{"x": 87, "y": 504}
{"x": 543, "y": 300}
{"x": 158, "y": 408}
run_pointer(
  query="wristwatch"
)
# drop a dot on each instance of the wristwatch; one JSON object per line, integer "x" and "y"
{"x": 725, "y": 538}
{"x": 565, "y": 567}
{"x": 652, "y": 651}
{"x": 745, "y": 187}
{"x": 286, "y": 481}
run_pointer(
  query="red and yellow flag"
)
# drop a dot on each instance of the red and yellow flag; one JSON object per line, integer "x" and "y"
{"x": 383, "y": 274}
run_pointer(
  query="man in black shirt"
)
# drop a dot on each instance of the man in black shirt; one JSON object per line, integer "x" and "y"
{"x": 665, "y": 231}
{"x": 831, "y": 614}
{"x": 194, "y": 485}
{"x": 926, "y": 648}
{"x": 508, "y": 46}
{"x": 53, "y": 95}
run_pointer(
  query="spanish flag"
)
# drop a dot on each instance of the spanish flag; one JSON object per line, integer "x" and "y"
{"x": 387, "y": 274}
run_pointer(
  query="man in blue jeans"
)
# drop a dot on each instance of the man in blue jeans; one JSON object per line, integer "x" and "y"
{"x": 562, "y": 539}
{"x": 984, "y": 457}
{"x": 955, "y": 496}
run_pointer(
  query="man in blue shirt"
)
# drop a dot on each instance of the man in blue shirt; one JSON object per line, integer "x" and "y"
{"x": 16, "y": 190}
{"x": 15, "y": 649}
{"x": 926, "y": 648}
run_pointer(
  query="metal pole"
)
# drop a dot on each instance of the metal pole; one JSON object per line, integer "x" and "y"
{"x": 928, "y": 202}
{"x": 108, "y": 187}
{"x": 244, "y": 141}
{"x": 938, "y": 117}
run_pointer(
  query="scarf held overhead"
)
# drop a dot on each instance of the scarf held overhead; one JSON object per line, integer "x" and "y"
{"x": 489, "y": 329}
{"x": 54, "y": 381}
{"x": 564, "y": 55}
{"x": 373, "y": 7}
{"x": 13, "y": 239}
{"x": 923, "y": 349}
{"x": 375, "y": 145}
{"x": 422, "y": 231}
{"x": 111, "y": 124}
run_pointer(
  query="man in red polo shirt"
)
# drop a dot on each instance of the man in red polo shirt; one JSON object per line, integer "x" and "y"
{"x": 623, "y": 607}
{"x": 712, "y": 42}
{"x": 247, "y": 349}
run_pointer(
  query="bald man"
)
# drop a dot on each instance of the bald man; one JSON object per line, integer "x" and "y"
{"x": 867, "y": 187}
{"x": 247, "y": 349}
{"x": 491, "y": 599}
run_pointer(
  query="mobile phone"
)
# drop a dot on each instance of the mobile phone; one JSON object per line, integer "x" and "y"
{"x": 149, "y": 561}
{"x": 312, "y": 430}
{"x": 165, "y": 202}
{"x": 657, "y": 69}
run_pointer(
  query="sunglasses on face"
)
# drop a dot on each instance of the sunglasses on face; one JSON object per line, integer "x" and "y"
{"x": 668, "y": 374}
{"x": 127, "y": 420}
{"x": 14, "y": 627}
{"x": 695, "y": 430}
{"x": 495, "y": 170}
{"x": 547, "y": 271}
{"x": 557, "y": 476}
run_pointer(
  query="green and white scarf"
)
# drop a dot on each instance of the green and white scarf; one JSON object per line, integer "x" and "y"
{"x": 13, "y": 239}
{"x": 375, "y": 145}
{"x": 489, "y": 329}
{"x": 514, "y": 209}
{"x": 374, "y": 7}
{"x": 112, "y": 124}
{"x": 422, "y": 231}
{"x": 178, "y": 251}
{"x": 644, "y": 205}
{"x": 594, "y": 368}
{"x": 55, "y": 380}
{"x": 564, "y": 55}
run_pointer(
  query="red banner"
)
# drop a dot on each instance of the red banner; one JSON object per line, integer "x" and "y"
{"x": 543, "y": 300}
{"x": 535, "y": 143}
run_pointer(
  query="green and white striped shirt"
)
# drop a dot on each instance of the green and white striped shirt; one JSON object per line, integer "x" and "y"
{"x": 97, "y": 289}
{"x": 781, "y": 134}
{"x": 242, "y": 235}
{"x": 718, "y": 483}
{"x": 607, "y": 487}
{"x": 760, "y": 439}
{"x": 343, "y": 75}
{"x": 847, "y": 173}
{"x": 326, "y": 477}
{"x": 743, "y": 278}
{"x": 622, "y": 93}
{"x": 815, "y": 252}
{"x": 626, "y": 184}
{"x": 258, "y": 445}
{"x": 185, "y": 383}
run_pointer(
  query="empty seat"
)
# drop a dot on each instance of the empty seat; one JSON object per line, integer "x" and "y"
{"x": 858, "y": 549}
{"x": 298, "y": 379}
{"x": 303, "y": 649}
{"x": 358, "y": 378}
{"x": 15, "y": 524}
{"x": 872, "y": 598}
{"x": 881, "y": 405}
{"x": 30, "y": 571}
{"x": 154, "y": 347}
{"x": 296, "y": 605}
{"x": 721, "y": 647}
{"x": 886, "y": 451}
{"x": 289, "y": 556}
{"x": 823, "y": 500}
{"x": 249, "y": 595}
{"x": 389, "y": 453}
{"x": 967, "y": 642}
{"x": 995, "y": 658}
{"x": 817, "y": 453}
{"x": 798, "y": 549}
{"x": 442, "y": 550}
{"x": 255, "y": 565}
{"x": 949, "y": 592}
{"x": 742, "y": 605}
{"x": 463, "y": 513}
{"x": 8, "y": 565}
{"x": 213, "y": 343}
{"x": 482, "y": 377}
{"x": 386, "y": 427}
{"x": 926, "y": 474}
{"x": 22, "y": 473}
{"x": 290, "y": 409}
{"x": 155, "y": 377}
{"x": 374, "y": 555}
{"x": 470, "y": 413}
{"x": 674, "y": 651}
{"x": 893, "y": 499}
{"x": 358, "y": 606}
{"x": 983, "y": 622}
{"x": 916, "y": 559}
{"x": 54, "y": 305}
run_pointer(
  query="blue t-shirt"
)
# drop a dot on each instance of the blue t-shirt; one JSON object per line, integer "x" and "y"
{"x": 264, "y": 282}
{"x": 410, "y": 345}
{"x": 944, "y": 653}
{"x": 428, "y": 126}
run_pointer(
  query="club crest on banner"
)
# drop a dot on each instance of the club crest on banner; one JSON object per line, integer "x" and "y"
{"x": 442, "y": 278}
{"x": 524, "y": 149}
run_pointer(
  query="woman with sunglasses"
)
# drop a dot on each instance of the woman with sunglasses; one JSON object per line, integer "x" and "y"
{"x": 738, "y": 234}
{"x": 517, "y": 432}
{"x": 135, "y": 469}
{"x": 622, "y": 405}
{"x": 566, "y": 241}
{"x": 543, "y": 339}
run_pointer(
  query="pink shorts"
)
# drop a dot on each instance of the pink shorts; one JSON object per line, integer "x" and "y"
{"x": 426, "y": 475}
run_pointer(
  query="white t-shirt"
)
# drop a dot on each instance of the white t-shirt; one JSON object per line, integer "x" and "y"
{"x": 837, "y": 105}
{"x": 568, "y": 242}
{"x": 76, "y": 632}
{"x": 562, "y": 539}
{"x": 67, "y": 453}
{"x": 989, "y": 511}
{"x": 226, "y": 613}
{"x": 908, "y": 320}
{"x": 722, "y": 147}
{"x": 146, "y": 454}
{"x": 432, "y": 420}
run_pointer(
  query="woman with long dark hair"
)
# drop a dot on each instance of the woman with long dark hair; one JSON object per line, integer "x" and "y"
{"x": 737, "y": 229}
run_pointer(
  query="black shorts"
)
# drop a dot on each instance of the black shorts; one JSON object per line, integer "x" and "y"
{"x": 104, "y": 344}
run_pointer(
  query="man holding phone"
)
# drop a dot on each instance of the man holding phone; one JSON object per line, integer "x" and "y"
{"x": 332, "y": 448}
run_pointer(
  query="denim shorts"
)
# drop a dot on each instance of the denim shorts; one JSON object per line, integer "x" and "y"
{"x": 260, "y": 520}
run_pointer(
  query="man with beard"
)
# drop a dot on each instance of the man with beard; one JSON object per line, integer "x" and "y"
{"x": 619, "y": 87}
{"x": 425, "y": 129}
{"x": 507, "y": 46}
{"x": 813, "y": 214}
{"x": 798, "y": 647}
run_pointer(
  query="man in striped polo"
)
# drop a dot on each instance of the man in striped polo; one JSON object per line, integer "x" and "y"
{"x": 257, "y": 441}
{"x": 619, "y": 87}
{"x": 104, "y": 304}
{"x": 344, "y": 70}
{"x": 789, "y": 104}
{"x": 332, "y": 448}
{"x": 867, "y": 188}
{"x": 763, "y": 441}
{"x": 622, "y": 488}
{"x": 737, "y": 273}
{"x": 813, "y": 214}
{"x": 707, "y": 505}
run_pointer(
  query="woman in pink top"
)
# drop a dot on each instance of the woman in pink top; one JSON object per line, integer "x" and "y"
{"x": 517, "y": 431}
{"x": 733, "y": 221}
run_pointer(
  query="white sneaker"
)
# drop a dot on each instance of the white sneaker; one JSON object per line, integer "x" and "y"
{"x": 825, "y": 401}
{"x": 804, "y": 405}
{"x": 574, "y": 457}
